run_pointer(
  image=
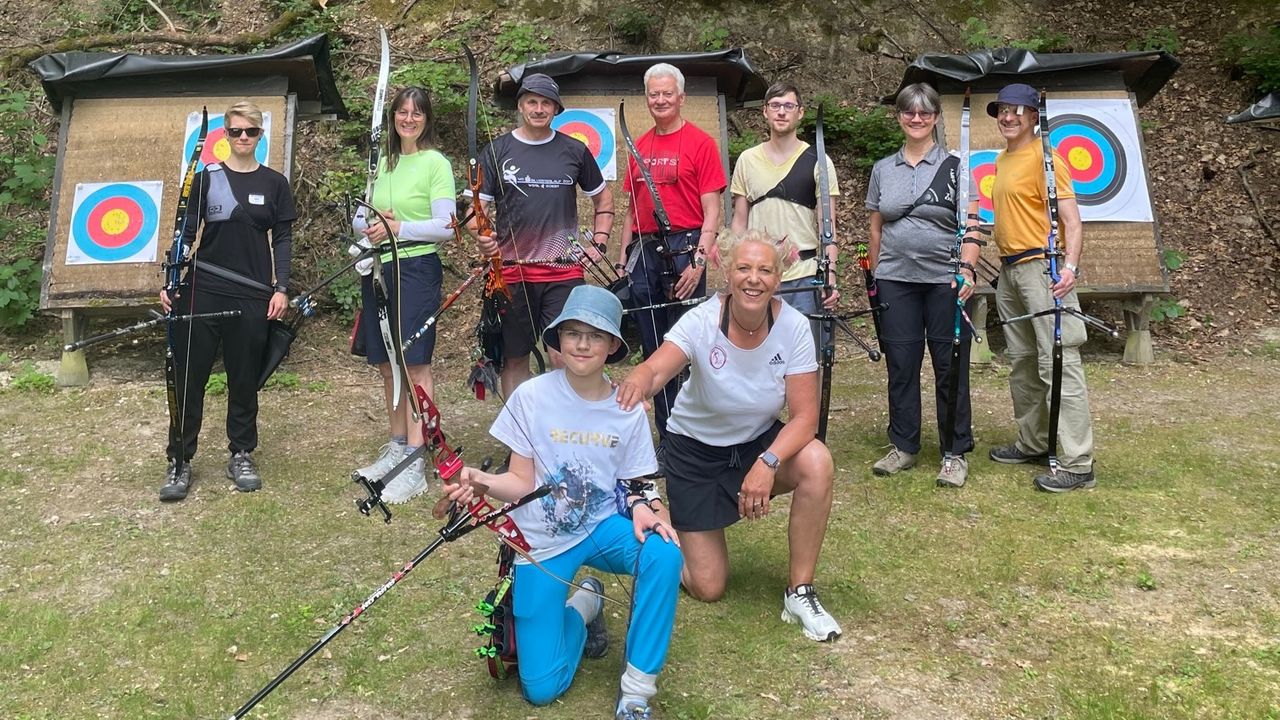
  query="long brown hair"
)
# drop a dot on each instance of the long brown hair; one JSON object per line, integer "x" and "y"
{"x": 426, "y": 139}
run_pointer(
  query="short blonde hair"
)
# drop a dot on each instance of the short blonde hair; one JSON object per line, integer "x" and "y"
{"x": 727, "y": 243}
{"x": 245, "y": 109}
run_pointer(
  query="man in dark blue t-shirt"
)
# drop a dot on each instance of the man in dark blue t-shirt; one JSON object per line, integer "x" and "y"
{"x": 531, "y": 176}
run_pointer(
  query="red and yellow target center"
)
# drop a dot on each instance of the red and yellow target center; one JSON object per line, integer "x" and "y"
{"x": 987, "y": 184}
{"x": 1080, "y": 158}
{"x": 222, "y": 149}
{"x": 115, "y": 221}
{"x": 580, "y": 137}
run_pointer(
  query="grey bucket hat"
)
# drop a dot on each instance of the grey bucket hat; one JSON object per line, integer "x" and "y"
{"x": 596, "y": 307}
{"x": 543, "y": 85}
{"x": 1015, "y": 94}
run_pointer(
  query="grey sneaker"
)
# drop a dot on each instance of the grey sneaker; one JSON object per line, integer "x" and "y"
{"x": 1064, "y": 481}
{"x": 176, "y": 482}
{"x": 955, "y": 470}
{"x": 388, "y": 457}
{"x": 597, "y": 634}
{"x": 895, "y": 461}
{"x": 242, "y": 470}
{"x": 1011, "y": 454}
{"x": 802, "y": 606}
{"x": 409, "y": 484}
{"x": 634, "y": 711}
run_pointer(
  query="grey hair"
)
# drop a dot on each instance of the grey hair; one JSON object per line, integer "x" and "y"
{"x": 918, "y": 96}
{"x": 784, "y": 248}
{"x": 664, "y": 70}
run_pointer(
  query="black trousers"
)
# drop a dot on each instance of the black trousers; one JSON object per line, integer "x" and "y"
{"x": 918, "y": 313}
{"x": 243, "y": 340}
{"x": 651, "y": 283}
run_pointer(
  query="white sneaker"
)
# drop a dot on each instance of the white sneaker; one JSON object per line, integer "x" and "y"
{"x": 388, "y": 457}
{"x": 410, "y": 483}
{"x": 802, "y": 606}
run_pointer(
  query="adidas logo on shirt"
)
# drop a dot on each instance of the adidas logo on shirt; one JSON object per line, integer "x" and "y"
{"x": 777, "y": 359}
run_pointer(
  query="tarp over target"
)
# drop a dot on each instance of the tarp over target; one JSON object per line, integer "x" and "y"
{"x": 217, "y": 146}
{"x": 114, "y": 222}
{"x": 595, "y": 128}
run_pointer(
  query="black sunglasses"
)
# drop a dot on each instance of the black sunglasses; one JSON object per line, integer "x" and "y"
{"x": 252, "y": 132}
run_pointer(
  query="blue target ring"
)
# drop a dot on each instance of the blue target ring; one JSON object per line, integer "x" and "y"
{"x": 217, "y": 146}
{"x": 1094, "y": 157}
{"x": 591, "y": 130}
{"x": 133, "y": 239}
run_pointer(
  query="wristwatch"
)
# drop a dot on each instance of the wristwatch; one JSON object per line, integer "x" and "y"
{"x": 699, "y": 261}
{"x": 1075, "y": 269}
{"x": 768, "y": 458}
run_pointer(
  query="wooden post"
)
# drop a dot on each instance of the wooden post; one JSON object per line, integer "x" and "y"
{"x": 74, "y": 369}
{"x": 1137, "y": 323}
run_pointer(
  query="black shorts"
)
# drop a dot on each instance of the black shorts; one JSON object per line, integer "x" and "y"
{"x": 703, "y": 480}
{"x": 547, "y": 300}
{"x": 419, "y": 299}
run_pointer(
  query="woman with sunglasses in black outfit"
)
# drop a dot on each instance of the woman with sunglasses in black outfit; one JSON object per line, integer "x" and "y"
{"x": 242, "y": 263}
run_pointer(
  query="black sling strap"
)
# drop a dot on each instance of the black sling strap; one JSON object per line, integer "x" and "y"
{"x": 798, "y": 186}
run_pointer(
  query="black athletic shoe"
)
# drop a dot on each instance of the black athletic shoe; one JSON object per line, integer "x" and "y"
{"x": 1064, "y": 481}
{"x": 1011, "y": 455}
{"x": 597, "y": 633}
{"x": 244, "y": 471}
{"x": 177, "y": 482}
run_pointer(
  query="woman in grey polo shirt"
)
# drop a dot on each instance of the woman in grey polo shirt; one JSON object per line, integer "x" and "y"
{"x": 913, "y": 225}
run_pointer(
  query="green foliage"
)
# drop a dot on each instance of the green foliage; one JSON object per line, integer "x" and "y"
{"x": 1158, "y": 38}
{"x": 314, "y": 21}
{"x": 712, "y": 36}
{"x": 138, "y": 16}
{"x": 343, "y": 176}
{"x": 446, "y": 82}
{"x": 216, "y": 385}
{"x": 19, "y": 292}
{"x": 345, "y": 291}
{"x": 1167, "y": 308}
{"x": 283, "y": 380}
{"x": 635, "y": 25}
{"x": 1045, "y": 40}
{"x": 977, "y": 35}
{"x": 29, "y": 379}
{"x": 1146, "y": 581}
{"x": 520, "y": 42}
{"x": 1256, "y": 57}
{"x": 1174, "y": 259}
{"x": 868, "y": 136}
{"x": 739, "y": 144}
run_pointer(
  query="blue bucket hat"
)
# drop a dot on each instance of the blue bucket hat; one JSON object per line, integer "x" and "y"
{"x": 596, "y": 307}
{"x": 543, "y": 85}
{"x": 1015, "y": 94}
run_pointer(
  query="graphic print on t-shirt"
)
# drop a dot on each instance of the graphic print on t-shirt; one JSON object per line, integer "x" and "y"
{"x": 576, "y": 497}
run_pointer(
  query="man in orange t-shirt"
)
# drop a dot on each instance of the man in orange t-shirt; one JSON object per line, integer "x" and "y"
{"x": 1021, "y": 234}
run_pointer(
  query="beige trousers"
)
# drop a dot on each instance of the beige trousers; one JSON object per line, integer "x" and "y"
{"x": 1023, "y": 289}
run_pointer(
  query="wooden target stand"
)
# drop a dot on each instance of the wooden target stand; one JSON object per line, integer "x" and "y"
{"x": 127, "y": 140}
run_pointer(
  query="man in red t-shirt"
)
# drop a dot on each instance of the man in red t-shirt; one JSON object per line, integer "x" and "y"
{"x": 688, "y": 175}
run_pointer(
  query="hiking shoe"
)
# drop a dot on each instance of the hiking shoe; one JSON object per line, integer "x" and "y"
{"x": 1011, "y": 455}
{"x": 410, "y": 483}
{"x": 955, "y": 470}
{"x": 597, "y": 634}
{"x": 633, "y": 711}
{"x": 388, "y": 457}
{"x": 177, "y": 481}
{"x": 802, "y": 606}
{"x": 1064, "y": 481}
{"x": 244, "y": 472}
{"x": 895, "y": 461}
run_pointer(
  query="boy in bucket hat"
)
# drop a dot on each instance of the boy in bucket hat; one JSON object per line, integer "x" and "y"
{"x": 1020, "y": 200}
{"x": 532, "y": 176}
{"x": 565, "y": 430}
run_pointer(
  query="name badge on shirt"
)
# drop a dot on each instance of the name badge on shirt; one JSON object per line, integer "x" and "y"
{"x": 257, "y": 199}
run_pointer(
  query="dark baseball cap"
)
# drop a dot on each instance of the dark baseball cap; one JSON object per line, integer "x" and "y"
{"x": 1015, "y": 94}
{"x": 543, "y": 85}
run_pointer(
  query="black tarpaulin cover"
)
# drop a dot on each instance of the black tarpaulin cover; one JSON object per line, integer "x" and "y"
{"x": 305, "y": 63}
{"x": 735, "y": 78}
{"x": 1143, "y": 73}
{"x": 1268, "y": 108}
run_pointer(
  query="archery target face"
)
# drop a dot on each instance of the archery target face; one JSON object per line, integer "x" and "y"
{"x": 1098, "y": 139}
{"x": 217, "y": 146}
{"x": 982, "y": 168}
{"x": 114, "y": 222}
{"x": 594, "y": 128}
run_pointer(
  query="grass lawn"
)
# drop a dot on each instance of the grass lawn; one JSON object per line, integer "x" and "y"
{"x": 1157, "y": 595}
